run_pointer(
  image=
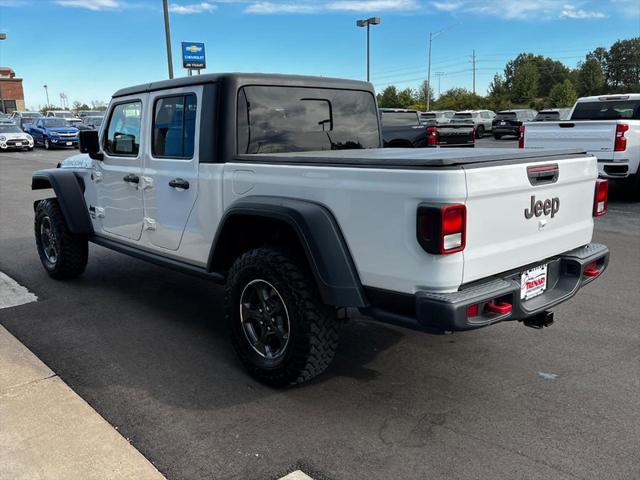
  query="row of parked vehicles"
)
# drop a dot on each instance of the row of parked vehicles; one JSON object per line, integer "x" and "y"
{"x": 54, "y": 129}
{"x": 448, "y": 128}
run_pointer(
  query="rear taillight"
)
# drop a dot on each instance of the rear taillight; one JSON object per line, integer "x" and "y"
{"x": 442, "y": 230}
{"x": 600, "y": 199}
{"x": 432, "y": 136}
{"x": 521, "y": 137}
{"x": 620, "y": 144}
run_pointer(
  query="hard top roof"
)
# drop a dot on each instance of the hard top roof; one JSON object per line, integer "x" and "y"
{"x": 247, "y": 79}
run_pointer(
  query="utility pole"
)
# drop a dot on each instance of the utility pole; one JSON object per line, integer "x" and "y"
{"x": 429, "y": 72}
{"x": 473, "y": 60}
{"x": 46, "y": 90}
{"x": 439, "y": 75}
{"x": 167, "y": 34}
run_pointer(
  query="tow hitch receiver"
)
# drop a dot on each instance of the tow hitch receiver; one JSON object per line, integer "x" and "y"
{"x": 541, "y": 320}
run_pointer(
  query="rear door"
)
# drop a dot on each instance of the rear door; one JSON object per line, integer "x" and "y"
{"x": 171, "y": 164}
{"x": 525, "y": 212}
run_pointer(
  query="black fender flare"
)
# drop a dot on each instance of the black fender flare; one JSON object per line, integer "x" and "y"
{"x": 69, "y": 190}
{"x": 321, "y": 238}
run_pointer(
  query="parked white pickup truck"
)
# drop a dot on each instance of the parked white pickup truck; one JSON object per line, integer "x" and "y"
{"x": 608, "y": 127}
{"x": 277, "y": 187}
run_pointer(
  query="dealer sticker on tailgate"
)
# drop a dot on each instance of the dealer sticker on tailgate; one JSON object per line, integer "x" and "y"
{"x": 533, "y": 282}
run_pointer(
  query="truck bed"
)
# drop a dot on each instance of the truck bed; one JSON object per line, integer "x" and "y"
{"x": 411, "y": 158}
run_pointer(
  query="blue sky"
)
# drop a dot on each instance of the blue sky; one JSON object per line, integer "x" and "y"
{"x": 89, "y": 48}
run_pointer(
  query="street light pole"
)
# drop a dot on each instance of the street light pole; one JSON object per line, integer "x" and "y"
{"x": 367, "y": 23}
{"x": 46, "y": 90}
{"x": 429, "y": 73}
{"x": 167, "y": 34}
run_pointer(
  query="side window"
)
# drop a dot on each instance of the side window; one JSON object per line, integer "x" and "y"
{"x": 174, "y": 126}
{"x": 123, "y": 132}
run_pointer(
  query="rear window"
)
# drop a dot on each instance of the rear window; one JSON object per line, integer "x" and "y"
{"x": 391, "y": 119}
{"x": 427, "y": 115}
{"x": 462, "y": 115}
{"x": 547, "y": 116}
{"x": 506, "y": 116}
{"x": 609, "y": 110}
{"x": 297, "y": 119}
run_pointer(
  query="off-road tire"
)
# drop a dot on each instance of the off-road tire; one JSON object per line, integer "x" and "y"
{"x": 313, "y": 335}
{"x": 72, "y": 249}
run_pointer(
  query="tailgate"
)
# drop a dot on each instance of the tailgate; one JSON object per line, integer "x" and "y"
{"x": 452, "y": 135}
{"x": 504, "y": 231}
{"x": 591, "y": 136}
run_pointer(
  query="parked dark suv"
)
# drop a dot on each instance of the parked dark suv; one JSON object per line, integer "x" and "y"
{"x": 508, "y": 122}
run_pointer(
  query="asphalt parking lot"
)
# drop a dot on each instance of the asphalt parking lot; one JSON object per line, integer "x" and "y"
{"x": 146, "y": 348}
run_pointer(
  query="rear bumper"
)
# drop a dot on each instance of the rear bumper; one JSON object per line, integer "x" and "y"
{"x": 613, "y": 170}
{"x": 445, "y": 312}
{"x": 505, "y": 130}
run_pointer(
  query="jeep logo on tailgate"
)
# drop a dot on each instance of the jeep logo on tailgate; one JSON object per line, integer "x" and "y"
{"x": 546, "y": 207}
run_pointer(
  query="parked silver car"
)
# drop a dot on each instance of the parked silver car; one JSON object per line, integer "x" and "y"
{"x": 482, "y": 119}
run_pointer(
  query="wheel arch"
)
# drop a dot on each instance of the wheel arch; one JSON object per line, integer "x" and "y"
{"x": 307, "y": 227}
{"x": 69, "y": 190}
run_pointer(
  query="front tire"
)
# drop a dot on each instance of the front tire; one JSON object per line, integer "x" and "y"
{"x": 281, "y": 330}
{"x": 47, "y": 144}
{"x": 63, "y": 254}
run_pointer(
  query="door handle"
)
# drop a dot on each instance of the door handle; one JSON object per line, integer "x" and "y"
{"x": 131, "y": 178}
{"x": 179, "y": 183}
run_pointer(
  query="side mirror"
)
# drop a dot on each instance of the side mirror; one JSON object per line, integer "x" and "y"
{"x": 90, "y": 143}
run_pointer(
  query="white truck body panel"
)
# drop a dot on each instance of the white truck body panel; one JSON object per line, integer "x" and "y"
{"x": 376, "y": 210}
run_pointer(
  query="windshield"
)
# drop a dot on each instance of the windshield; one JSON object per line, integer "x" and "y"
{"x": 93, "y": 120}
{"x": 63, "y": 114}
{"x": 31, "y": 114}
{"x": 399, "y": 118}
{"x": 9, "y": 129}
{"x": 295, "y": 119}
{"x": 609, "y": 110}
{"x": 55, "y": 122}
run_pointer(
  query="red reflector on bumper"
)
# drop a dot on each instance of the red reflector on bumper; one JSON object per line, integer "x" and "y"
{"x": 591, "y": 270}
{"x": 500, "y": 308}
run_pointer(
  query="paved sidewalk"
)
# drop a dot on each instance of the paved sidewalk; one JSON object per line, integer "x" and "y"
{"x": 48, "y": 432}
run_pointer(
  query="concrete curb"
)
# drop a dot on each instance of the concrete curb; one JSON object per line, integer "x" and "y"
{"x": 48, "y": 432}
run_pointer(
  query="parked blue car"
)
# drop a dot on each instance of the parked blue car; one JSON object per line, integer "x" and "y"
{"x": 53, "y": 132}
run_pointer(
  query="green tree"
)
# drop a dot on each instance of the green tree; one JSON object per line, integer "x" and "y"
{"x": 590, "y": 79}
{"x": 562, "y": 95}
{"x": 388, "y": 98}
{"x": 459, "y": 99}
{"x": 623, "y": 63}
{"x": 524, "y": 88}
{"x": 425, "y": 91}
{"x": 406, "y": 97}
{"x": 498, "y": 95}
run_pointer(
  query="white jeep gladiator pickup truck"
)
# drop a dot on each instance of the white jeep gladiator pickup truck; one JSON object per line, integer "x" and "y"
{"x": 278, "y": 188}
{"x": 607, "y": 127}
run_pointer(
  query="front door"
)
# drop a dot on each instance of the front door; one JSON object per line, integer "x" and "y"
{"x": 171, "y": 166}
{"x": 118, "y": 176}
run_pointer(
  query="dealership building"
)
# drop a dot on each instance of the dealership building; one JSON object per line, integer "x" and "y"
{"x": 11, "y": 93}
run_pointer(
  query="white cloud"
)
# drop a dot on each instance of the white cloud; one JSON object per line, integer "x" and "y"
{"x": 521, "y": 9}
{"x": 90, "y": 4}
{"x": 373, "y": 5}
{"x": 572, "y": 12}
{"x": 270, "y": 7}
{"x": 266, "y": 7}
{"x": 201, "y": 7}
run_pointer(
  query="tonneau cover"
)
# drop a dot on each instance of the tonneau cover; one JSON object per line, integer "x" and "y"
{"x": 414, "y": 157}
